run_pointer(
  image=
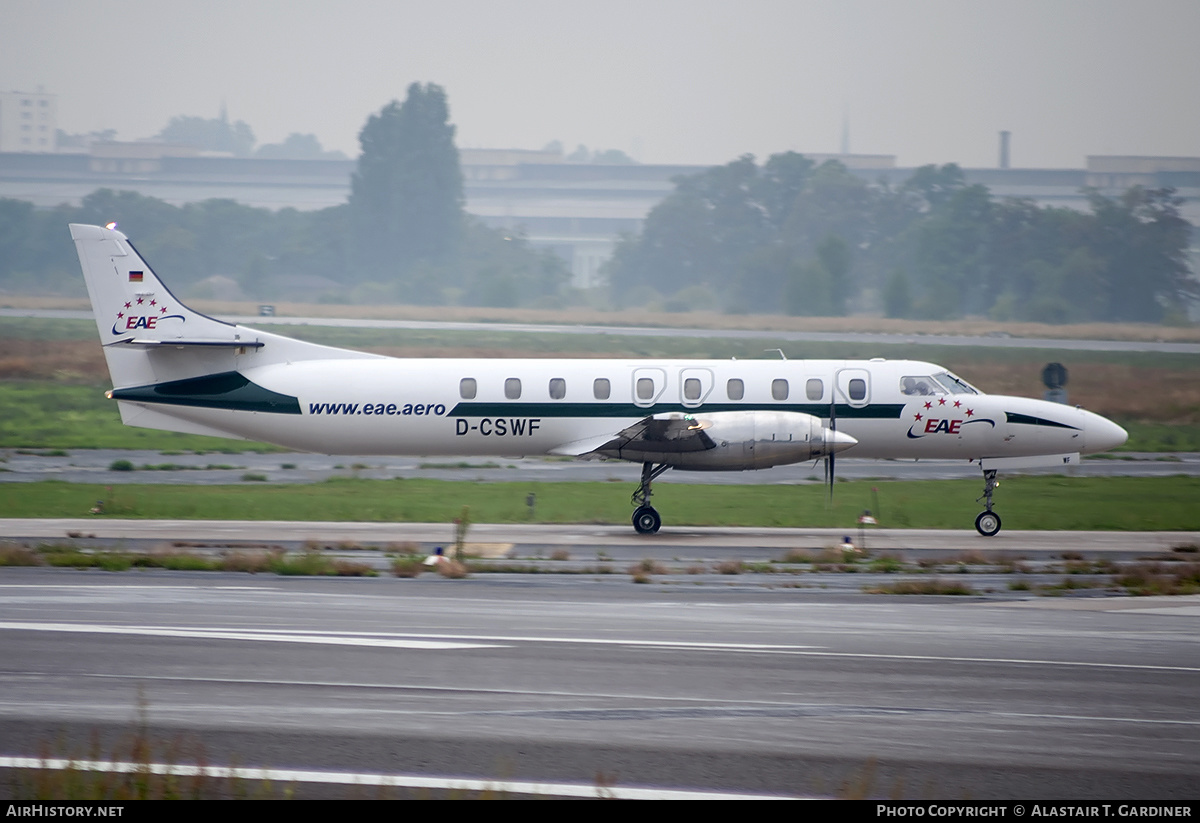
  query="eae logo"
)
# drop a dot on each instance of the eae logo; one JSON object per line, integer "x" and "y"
{"x": 145, "y": 313}
{"x": 924, "y": 426}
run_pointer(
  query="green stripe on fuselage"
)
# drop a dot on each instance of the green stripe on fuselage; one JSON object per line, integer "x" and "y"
{"x": 1030, "y": 420}
{"x": 881, "y": 411}
{"x": 228, "y": 390}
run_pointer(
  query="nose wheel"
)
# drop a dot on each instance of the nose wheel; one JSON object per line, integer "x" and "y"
{"x": 988, "y": 522}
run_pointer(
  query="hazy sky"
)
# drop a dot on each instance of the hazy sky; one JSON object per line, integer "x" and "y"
{"x": 668, "y": 81}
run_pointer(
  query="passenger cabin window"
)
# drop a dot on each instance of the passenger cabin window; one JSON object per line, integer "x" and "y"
{"x": 512, "y": 388}
{"x": 601, "y": 388}
{"x": 691, "y": 389}
{"x": 814, "y": 389}
{"x": 779, "y": 389}
{"x": 735, "y": 389}
{"x": 645, "y": 388}
{"x": 467, "y": 388}
{"x": 558, "y": 388}
{"x": 858, "y": 389}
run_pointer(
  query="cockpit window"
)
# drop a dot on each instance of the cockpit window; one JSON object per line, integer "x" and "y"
{"x": 956, "y": 385}
{"x": 920, "y": 386}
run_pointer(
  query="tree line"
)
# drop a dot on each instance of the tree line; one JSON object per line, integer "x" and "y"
{"x": 785, "y": 236}
{"x": 402, "y": 236}
{"x": 790, "y": 236}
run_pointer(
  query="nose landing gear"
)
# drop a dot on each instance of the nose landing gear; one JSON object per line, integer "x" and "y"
{"x": 988, "y": 522}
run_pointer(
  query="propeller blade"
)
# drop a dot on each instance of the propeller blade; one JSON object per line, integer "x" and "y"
{"x": 830, "y": 465}
{"x": 828, "y": 485}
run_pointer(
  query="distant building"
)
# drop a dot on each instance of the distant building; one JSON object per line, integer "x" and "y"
{"x": 28, "y": 121}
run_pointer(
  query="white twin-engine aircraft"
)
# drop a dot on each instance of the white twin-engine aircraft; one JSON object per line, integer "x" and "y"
{"x": 173, "y": 368}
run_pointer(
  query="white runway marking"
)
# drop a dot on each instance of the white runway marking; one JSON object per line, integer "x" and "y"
{"x": 400, "y": 781}
{"x": 599, "y": 641}
{"x": 222, "y": 634}
{"x": 461, "y": 641}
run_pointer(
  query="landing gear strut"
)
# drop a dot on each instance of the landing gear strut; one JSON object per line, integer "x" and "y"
{"x": 645, "y": 517}
{"x": 988, "y": 522}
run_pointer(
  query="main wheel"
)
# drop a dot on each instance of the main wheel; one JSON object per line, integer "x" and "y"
{"x": 646, "y": 520}
{"x": 987, "y": 523}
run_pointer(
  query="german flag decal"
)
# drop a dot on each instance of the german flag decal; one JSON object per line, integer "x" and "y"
{"x": 135, "y": 277}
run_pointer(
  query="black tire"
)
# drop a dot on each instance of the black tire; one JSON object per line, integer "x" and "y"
{"x": 646, "y": 520}
{"x": 987, "y": 524}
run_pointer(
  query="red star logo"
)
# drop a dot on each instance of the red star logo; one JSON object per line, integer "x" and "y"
{"x": 970, "y": 412}
{"x": 941, "y": 401}
{"x": 917, "y": 415}
{"x": 139, "y": 301}
{"x": 152, "y": 303}
{"x": 163, "y": 310}
{"x": 129, "y": 305}
{"x": 120, "y": 314}
{"x": 928, "y": 405}
{"x": 957, "y": 403}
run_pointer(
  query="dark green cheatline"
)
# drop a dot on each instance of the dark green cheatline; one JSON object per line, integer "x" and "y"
{"x": 1030, "y": 420}
{"x": 228, "y": 390}
{"x": 885, "y": 411}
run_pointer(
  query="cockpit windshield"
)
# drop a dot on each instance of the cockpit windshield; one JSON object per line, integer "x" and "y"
{"x": 955, "y": 385}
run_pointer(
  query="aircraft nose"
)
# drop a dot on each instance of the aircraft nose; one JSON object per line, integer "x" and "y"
{"x": 1102, "y": 435}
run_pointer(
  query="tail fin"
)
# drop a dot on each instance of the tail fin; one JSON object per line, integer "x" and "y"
{"x": 150, "y": 337}
{"x": 130, "y": 302}
{"x": 134, "y": 311}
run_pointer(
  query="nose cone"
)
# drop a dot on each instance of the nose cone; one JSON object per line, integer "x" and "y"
{"x": 837, "y": 441}
{"x": 1101, "y": 434}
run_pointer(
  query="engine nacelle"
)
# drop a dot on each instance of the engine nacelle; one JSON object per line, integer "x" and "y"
{"x": 732, "y": 441}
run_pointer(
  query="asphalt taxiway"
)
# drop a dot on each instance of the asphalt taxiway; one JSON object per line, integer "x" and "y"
{"x": 597, "y": 681}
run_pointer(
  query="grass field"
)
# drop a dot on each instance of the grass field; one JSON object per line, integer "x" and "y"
{"x": 1118, "y": 503}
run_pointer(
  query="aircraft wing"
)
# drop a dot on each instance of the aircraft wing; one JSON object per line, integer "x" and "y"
{"x": 666, "y": 434}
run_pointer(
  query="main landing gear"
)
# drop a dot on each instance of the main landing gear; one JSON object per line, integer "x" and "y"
{"x": 645, "y": 516}
{"x": 988, "y": 522}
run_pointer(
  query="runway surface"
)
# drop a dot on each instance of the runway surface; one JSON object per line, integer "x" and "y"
{"x": 585, "y": 681}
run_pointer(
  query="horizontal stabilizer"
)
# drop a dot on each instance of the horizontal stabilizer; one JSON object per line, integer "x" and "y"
{"x": 183, "y": 343}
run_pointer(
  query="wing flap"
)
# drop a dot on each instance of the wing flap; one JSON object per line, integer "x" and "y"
{"x": 578, "y": 448}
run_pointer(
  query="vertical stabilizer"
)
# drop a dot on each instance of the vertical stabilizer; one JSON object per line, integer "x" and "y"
{"x": 135, "y": 313}
{"x": 149, "y": 337}
{"x": 129, "y": 301}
